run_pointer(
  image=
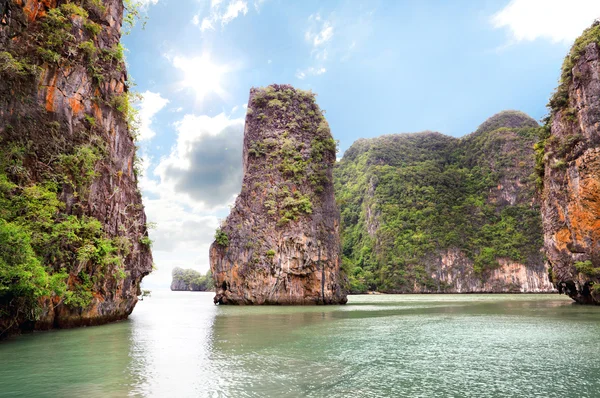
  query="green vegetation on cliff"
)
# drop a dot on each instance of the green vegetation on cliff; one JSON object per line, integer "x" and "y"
{"x": 293, "y": 112}
{"x": 407, "y": 199}
{"x": 59, "y": 171}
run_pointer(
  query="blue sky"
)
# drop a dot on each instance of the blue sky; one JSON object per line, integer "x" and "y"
{"x": 378, "y": 67}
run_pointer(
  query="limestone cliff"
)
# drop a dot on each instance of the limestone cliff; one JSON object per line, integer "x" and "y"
{"x": 280, "y": 243}
{"x": 570, "y": 155}
{"x": 430, "y": 213}
{"x": 68, "y": 188}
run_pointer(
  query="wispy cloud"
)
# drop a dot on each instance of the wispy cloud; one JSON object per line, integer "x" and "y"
{"x": 301, "y": 74}
{"x": 320, "y": 32}
{"x": 220, "y": 15}
{"x": 150, "y": 105}
{"x": 556, "y": 20}
{"x": 318, "y": 35}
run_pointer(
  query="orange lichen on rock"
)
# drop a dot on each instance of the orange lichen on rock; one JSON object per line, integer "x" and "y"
{"x": 34, "y": 9}
{"x": 50, "y": 93}
{"x": 75, "y": 105}
{"x": 563, "y": 237}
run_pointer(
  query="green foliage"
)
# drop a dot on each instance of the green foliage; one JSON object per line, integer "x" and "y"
{"x": 539, "y": 149}
{"x": 57, "y": 31}
{"x": 275, "y": 103}
{"x": 116, "y": 54}
{"x": 22, "y": 275}
{"x": 96, "y": 6}
{"x": 123, "y": 103}
{"x": 89, "y": 48}
{"x": 12, "y": 68}
{"x": 406, "y": 199}
{"x": 293, "y": 206}
{"x": 92, "y": 28}
{"x": 80, "y": 296}
{"x": 79, "y": 168}
{"x": 560, "y": 164}
{"x": 73, "y": 9}
{"x": 270, "y": 253}
{"x": 48, "y": 55}
{"x": 133, "y": 13}
{"x": 587, "y": 268}
{"x": 146, "y": 241}
{"x": 91, "y": 120}
{"x": 221, "y": 238}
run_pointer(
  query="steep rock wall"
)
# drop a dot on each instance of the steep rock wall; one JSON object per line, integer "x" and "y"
{"x": 453, "y": 272}
{"x": 280, "y": 243}
{"x": 64, "y": 135}
{"x": 571, "y": 183}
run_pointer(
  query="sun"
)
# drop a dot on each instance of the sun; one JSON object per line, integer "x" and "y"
{"x": 201, "y": 75}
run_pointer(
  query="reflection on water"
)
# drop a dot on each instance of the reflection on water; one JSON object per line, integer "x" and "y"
{"x": 178, "y": 344}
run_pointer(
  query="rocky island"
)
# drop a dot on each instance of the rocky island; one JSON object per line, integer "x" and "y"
{"x": 73, "y": 238}
{"x": 426, "y": 213}
{"x": 280, "y": 243}
{"x": 191, "y": 280}
{"x": 569, "y": 159}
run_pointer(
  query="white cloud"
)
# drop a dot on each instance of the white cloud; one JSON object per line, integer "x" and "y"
{"x": 186, "y": 191}
{"x": 206, "y": 24}
{"x": 301, "y": 74}
{"x": 319, "y": 32}
{"x": 556, "y": 20}
{"x": 233, "y": 10}
{"x": 223, "y": 16}
{"x": 324, "y": 35}
{"x": 150, "y": 105}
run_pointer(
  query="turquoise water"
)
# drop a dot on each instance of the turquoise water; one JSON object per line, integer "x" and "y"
{"x": 178, "y": 344}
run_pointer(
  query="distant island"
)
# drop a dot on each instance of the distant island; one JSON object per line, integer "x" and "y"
{"x": 191, "y": 280}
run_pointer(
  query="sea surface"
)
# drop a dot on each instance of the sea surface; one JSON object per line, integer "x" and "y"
{"x": 178, "y": 344}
